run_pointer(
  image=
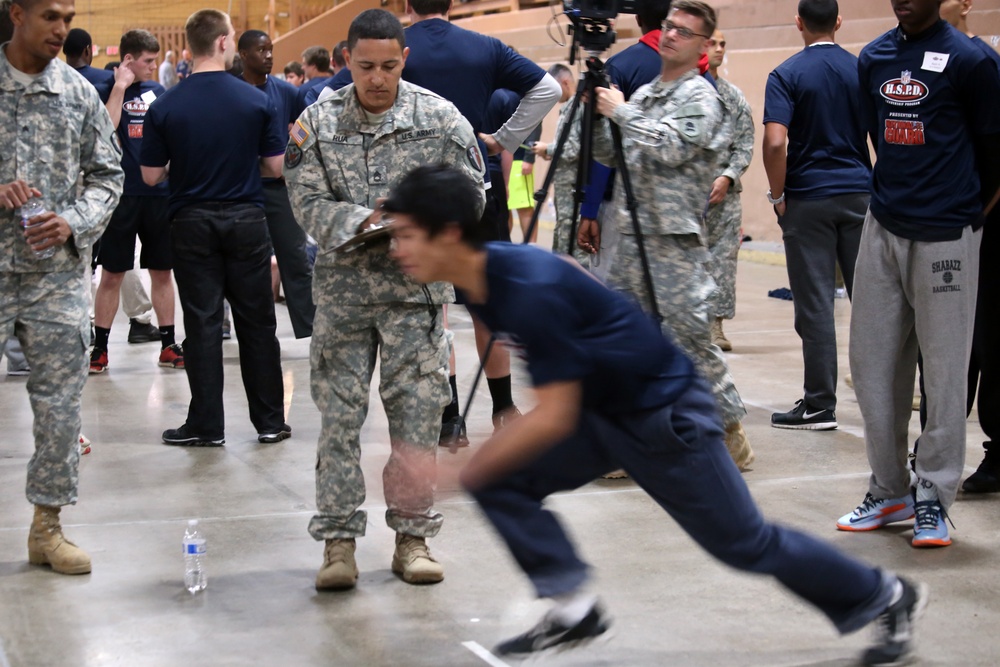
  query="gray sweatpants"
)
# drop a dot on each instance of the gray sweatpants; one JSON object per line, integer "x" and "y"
{"x": 908, "y": 293}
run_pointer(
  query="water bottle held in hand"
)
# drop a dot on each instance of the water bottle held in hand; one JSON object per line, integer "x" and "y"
{"x": 195, "y": 550}
{"x": 30, "y": 209}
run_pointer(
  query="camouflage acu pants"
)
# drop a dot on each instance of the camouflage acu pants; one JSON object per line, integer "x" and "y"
{"x": 683, "y": 286}
{"x": 724, "y": 222}
{"x": 48, "y": 314}
{"x": 414, "y": 389}
{"x": 563, "y": 196}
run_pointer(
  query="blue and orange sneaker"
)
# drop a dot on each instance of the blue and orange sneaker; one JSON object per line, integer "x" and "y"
{"x": 930, "y": 529}
{"x": 877, "y": 512}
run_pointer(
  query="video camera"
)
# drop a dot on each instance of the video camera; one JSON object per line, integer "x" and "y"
{"x": 591, "y": 21}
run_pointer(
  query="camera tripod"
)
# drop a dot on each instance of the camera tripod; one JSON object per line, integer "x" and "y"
{"x": 586, "y": 93}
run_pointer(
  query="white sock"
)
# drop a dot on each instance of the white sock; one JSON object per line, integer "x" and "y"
{"x": 897, "y": 592}
{"x": 571, "y": 608}
{"x": 925, "y": 490}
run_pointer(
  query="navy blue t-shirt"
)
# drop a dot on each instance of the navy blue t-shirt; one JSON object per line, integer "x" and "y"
{"x": 135, "y": 104}
{"x": 502, "y": 105}
{"x": 101, "y": 79}
{"x": 461, "y": 66}
{"x": 569, "y": 327}
{"x": 926, "y": 99}
{"x": 815, "y": 94}
{"x": 309, "y": 91}
{"x": 212, "y": 129}
{"x": 284, "y": 98}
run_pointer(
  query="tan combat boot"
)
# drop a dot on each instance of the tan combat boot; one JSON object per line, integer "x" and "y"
{"x": 413, "y": 561}
{"x": 339, "y": 571}
{"x": 48, "y": 546}
{"x": 739, "y": 446}
{"x": 719, "y": 338}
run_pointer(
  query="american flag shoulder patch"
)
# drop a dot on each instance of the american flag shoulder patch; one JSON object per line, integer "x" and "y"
{"x": 299, "y": 133}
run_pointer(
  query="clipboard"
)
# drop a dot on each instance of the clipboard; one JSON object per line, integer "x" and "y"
{"x": 374, "y": 234}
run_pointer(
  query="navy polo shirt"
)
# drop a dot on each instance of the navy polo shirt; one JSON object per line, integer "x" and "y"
{"x": 212, "y": 129}
{"x": 927, "y": 99}
{"x": 815, "y": 94}
{"x": 568, "y": 326}
{"x": 135, "y": 105}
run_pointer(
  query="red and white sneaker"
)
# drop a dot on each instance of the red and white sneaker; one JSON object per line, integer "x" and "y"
{"x": 98, "y": 361}
{"x": 172, "y": 356}
{"x": 84, "y": 444}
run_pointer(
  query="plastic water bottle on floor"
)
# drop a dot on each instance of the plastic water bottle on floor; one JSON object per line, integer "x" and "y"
{"x": 195, "y": 551}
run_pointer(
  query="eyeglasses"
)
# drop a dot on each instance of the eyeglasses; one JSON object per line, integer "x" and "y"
{"x": 683, "y": 33}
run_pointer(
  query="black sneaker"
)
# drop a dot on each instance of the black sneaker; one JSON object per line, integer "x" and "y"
{"x": 184, "y": 437}
{"x": 277, "y": 435}
{"x": 142, "y": 333}
{"x": 894, "y": 628}
{"x": 986, "y": 479}
{"x": 550, "y": 633}
{"x": 804, "y": 417}
{"x": 453, "y": 433}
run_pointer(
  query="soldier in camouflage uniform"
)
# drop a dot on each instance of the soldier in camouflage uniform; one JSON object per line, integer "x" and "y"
{"x": 564, "y": 183}
{"x": 725, "y": 212}
{"x": 346, "y": 153}
{"x": 673, "y": 133}
{"x": 52, "y": 127}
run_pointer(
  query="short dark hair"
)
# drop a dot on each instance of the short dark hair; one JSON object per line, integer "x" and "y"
{"x": 249, "y": 39}
{"x": 203, "y": 28}
{"x": 318, "y": 57}
{"x": 77, "y": 42}
{"x": 294, "y": 67}
{"x": 6, "y": 25}
{"x": 436, "y": 196}
{"x": 819, "y": 16}
{"x": 428, "y": 7}
{"x": 375, "y": 24}
{"x": 338, "y": 53}
{"x": 699, "y": 9}
{"x": 135, "y": 42}
{"x": 559, "y": 70}
{"x": 651, "y": 13}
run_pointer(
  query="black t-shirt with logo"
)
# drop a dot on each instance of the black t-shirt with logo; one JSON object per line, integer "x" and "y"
{"x": 927, "y": 100}
{"x": 135, "y": 104}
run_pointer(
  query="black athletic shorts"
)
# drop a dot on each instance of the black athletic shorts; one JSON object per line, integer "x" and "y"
{"x": 145, "y": 217}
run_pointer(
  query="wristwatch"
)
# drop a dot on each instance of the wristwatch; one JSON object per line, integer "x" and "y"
{"x": 775, "y": 202}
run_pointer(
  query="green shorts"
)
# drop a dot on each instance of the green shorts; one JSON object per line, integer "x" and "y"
{"x": 521, "y": 189}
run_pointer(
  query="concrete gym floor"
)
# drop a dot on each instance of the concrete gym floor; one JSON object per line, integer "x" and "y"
{"x": 671, "y": 604}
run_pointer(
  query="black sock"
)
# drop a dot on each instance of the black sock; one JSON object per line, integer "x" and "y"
{"x": 451, "y": 410}
{"x": 166, "y": 337}
{"x": 500, "y": 392}
{"x": 101, "y": 336}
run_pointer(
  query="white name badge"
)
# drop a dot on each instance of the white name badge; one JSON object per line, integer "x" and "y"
{"x": 934, "y": 62}
{"x": 149, "y": 95}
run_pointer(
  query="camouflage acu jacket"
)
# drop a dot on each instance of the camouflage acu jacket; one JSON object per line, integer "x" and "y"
{"x": 50, "y": 132}
{"x": 672, "y": 133}
{"x": 337, "y": 166}
{"x": 735, "y": 159}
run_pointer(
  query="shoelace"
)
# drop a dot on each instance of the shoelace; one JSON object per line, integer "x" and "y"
{"x": 338, "y": 551}
{"x": 415, "y": 548}
{"x": 867, "y": 504}
{"x": 927, "y": 515}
